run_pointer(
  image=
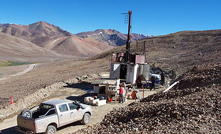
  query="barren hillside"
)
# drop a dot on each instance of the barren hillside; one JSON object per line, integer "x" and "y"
{"x": 178, "y": 52}
{"x": 17, "y": 49}
{"x": 34, "y": 32}
{"x": 82, "y": 47}
{"x": 54, "y": 38}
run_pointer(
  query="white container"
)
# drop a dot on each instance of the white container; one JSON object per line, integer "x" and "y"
{"x": 87, "y": 99}
{"x": 94, "y": 102}
{"x": 101, "y": 102}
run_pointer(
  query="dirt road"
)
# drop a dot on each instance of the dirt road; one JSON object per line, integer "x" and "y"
{"x": 29, "y": 68}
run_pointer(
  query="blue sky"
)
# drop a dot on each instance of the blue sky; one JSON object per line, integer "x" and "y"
{"x": 149, "y": 17}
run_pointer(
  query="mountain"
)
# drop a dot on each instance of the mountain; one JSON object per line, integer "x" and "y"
{"x": 38, "y": 33}
{"x": 17, "y": 49}
{"x": 62, "y": 42}
{"x": 53, "y": 38}
{"x": 78, "y": 46}
{"x": 111, "y": 36}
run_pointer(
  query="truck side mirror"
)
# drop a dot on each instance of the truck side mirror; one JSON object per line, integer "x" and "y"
{"x": 79, "y": 106}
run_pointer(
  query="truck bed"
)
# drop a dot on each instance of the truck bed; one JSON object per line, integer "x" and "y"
{"x": 35, "y": 125}
{"x": 26, "y": 123}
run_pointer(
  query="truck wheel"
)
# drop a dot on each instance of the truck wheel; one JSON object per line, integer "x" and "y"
{"x": 86, "y": 118}
{"x": 26, "y": 113}
{"x": 51, "y": 130}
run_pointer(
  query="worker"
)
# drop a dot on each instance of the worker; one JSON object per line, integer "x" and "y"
{"x": 152, "y": 83}
{"x": 134, "y": 94}
{"x": 121, "y": 96}
{"x": 139, "y": 81}
{"x": 162, "y": 78}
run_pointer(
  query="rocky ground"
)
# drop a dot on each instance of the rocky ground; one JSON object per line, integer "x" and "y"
{"x": 192, "y": 106}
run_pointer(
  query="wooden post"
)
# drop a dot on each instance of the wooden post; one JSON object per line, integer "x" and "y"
{"x": 143, "y": 91}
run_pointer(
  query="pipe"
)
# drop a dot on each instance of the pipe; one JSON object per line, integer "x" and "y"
{"x": 128, "y": 38}
{"x": 170, "y": 86}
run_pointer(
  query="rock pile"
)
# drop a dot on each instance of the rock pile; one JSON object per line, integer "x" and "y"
{"x": 193, "y": 106}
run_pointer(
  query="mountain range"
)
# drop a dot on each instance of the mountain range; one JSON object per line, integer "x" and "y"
{"x": 57, "y": 42}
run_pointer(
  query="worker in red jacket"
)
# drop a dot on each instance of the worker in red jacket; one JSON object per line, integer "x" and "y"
{"x": 134, "y": 94}
{"x": 121, "y": 96}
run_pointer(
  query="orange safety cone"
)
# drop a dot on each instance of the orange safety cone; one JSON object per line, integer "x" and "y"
{"x": 11, "y": 100}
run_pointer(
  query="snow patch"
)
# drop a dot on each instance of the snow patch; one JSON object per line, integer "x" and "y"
{"x": 55, "y": 40}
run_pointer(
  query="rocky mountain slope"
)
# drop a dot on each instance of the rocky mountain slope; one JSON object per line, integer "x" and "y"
{"x": 113, "y": 37}
{"x": 53, "y": 38}
{"x": 1, "y": 25}
{"x": 16, "y": 49}
{"x": 38, "y": 33}
{"x": 178, "y": 52}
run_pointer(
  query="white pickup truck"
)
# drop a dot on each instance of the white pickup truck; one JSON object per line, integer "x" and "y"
{"x": 50, "y": 115}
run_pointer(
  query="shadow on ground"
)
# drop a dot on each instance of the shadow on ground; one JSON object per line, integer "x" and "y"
{"x": 78, "y": 123}
{"x": 82, "y": 86}
{"x": 10, "y": 130}
{"x": 80, "y": 98}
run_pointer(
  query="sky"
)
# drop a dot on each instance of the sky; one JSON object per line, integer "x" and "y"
{"x": 149, "y": 17}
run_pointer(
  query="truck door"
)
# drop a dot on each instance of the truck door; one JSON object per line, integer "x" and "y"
{"x": 64, "y": 114}
{"x": 76, "y": 113}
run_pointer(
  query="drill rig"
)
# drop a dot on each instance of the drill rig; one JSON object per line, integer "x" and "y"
{"x": 126, "y": 66}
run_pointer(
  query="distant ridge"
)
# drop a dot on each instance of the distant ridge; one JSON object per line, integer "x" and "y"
{"x": 54, "y": 38}
{"x": 111, "y": 36}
